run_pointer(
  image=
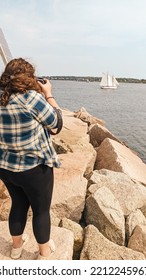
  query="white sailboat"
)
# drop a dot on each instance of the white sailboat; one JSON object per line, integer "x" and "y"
{"x": 108, "y": 81}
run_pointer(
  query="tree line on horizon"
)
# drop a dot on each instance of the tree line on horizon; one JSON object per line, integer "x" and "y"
{"x": 94, "y": 79}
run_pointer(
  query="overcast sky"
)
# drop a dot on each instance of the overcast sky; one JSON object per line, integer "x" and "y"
{"x": 78, "y": 37}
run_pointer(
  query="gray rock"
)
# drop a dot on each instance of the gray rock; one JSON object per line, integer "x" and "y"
{"x": 137, "y": 240}
{"x": 2, "y": 188}
{"x": 63, "y": 238}
{"x": 135, "y": 218}
{"x": 97, "y": 247}
{"x": 98, "y": 133}
{"x": 104, "y": 211}
{"x": 117, "y": 157}
{"x": 78, "y": 235}
{"x": 130, "y": 194}
{"x": 83, "y": 115}
{"x": 70, "y": 187}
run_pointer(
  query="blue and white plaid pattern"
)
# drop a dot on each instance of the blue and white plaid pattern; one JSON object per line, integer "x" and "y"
{"x": 24, "y": 133}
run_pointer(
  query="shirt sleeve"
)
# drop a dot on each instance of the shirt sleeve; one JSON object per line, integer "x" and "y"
{"x": 43, "y": 111}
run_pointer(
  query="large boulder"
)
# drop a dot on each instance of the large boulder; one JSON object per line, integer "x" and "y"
{"x": 78, "y": 235}
{"x": 117, "y": 157}
{"x": 103, "y": 211}
{"x": 135, "y": 218}
{"x": 72, "y": 135}
{"x": 97, "y": 247}
{"x": 130, "y": 194}
{"x": 137, "y": 240}
{"x": 70, "y": 187}
{"x": 78, "y": 161}
{"x": 98, "y": 133}
{"x": 63, "y": 239}
{"x": 86, "y": 117}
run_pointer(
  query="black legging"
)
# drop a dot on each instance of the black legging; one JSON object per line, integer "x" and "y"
{"x": 30, "y": 188}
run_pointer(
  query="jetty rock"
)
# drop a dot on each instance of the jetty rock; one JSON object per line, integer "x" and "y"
{"x": 107, "y": 216}
{"x": 78, "y": 235}
{"x": 97, "y": 247}
{"x": 2, "y": 188}
{"x": 63, "y": 238}
{"x": 130, "y": 194}
{"x": 117, "y": 157}
{"x": 98, "y": 133}
{"x": 137, "y": 240}
{"x": 77, "y": 165}
{"x": 83, "y": 115}
{"x": 99, "y": 198}
{"x": 135, "y": 218}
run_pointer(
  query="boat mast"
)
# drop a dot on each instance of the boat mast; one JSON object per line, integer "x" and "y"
{"x": 107, "y": 79}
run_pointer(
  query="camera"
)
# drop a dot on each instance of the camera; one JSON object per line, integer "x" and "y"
{"x": 41, "y": 80}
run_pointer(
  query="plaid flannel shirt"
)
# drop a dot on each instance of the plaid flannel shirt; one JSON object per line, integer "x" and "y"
{"x": 25, "y": 140}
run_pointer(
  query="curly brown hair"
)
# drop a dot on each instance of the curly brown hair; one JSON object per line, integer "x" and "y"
{"x": 18, "y": 77}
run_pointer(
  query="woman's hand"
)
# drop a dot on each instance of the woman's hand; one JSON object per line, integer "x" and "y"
{"x": 46, "y": 88}
{"x": 47, "y": 92}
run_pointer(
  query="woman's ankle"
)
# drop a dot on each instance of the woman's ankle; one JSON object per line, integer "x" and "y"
{"x": 17, "y": 241}
{"x": 45, "y": 252}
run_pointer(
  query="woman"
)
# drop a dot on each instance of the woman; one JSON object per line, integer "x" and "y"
{"x": 28, "y": 112}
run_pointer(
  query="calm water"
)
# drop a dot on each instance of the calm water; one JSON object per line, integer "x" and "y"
{"x": 123, "y": 109}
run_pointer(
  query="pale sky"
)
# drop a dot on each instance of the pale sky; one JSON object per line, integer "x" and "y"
{"x": 78, "y": 37}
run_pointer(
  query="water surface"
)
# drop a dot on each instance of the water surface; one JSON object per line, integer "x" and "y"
{"x": 123, "y": 109}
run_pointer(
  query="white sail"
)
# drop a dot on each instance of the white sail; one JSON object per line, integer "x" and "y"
{"x": 103, "y": 80}
{"x": 108, "y": 81}
{"x": 115, "y": 81}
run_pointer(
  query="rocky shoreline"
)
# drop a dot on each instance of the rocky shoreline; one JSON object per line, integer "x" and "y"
{"x": 98, "y": 209}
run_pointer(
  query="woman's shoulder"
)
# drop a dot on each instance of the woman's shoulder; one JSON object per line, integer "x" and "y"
{"x": 31, "y": 93}
{"x": 28, "y": 98}
{"x": 31, "y": 96}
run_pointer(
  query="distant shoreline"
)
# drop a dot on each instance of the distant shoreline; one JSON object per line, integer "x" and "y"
{"x": 94, "y": 79}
